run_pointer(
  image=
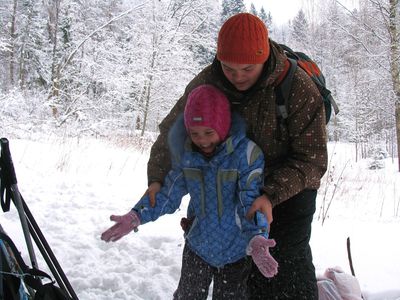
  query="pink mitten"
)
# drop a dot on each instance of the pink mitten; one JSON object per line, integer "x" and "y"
{"x": 124, "y": 225}
{"x": 258, "y": 248}
{"x": 347, "y": 285}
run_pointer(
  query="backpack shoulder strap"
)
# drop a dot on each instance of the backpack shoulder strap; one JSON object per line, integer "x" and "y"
{"x": 5, "y": 192}
{"x": 31, "y": 275}
{"x": 283, "y": 90}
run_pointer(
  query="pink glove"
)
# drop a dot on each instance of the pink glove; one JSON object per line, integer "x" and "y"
{"x": 258, "y": 248}
{"x": 125, "y": 224}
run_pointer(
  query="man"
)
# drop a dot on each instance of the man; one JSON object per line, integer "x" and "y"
{"x": 247, "y": 67}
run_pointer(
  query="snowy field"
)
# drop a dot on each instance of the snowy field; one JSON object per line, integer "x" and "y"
{"x": 72, "y": 186}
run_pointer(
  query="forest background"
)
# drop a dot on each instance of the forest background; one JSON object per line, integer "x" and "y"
{"x": 113, "y": 69}
{"x": 84, "y": 84}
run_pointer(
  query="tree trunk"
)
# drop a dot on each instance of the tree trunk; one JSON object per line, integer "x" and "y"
{"x": 147, "y": 104}
{"x": 398, "y": 131}
{"x": 394, "y": 67}
{"x": 12, "y": 36}
{"x": 150, "y": 79}
{"x": 53, "y": 10}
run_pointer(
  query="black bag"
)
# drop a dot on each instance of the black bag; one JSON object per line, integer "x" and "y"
{"x": 10, "y": 285}
{"x": 18, "y": 281}
{"x": 49, "y": 291}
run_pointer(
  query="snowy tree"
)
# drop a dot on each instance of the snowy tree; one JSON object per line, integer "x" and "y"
{"x": 230, "y": 8}
{"x": 12, "y": 42}
{"x": 100, "y": 64}
{"x": 267, "y": 18}
{"x": 253, "y": 9}
{"x": 394, "y": 32}
{"x": 23, "y": 54}
{"x": 377, "y": 36}
{"x": 263, "y": 15}
{"x": 203, "y": 40}
{"x": 331, "y": 57}
{"x": 170, "y": 57}
{"x": 300, "y": 31}
{"x": 118, "y": 66}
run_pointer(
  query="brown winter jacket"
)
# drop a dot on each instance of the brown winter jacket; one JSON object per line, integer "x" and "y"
{"x": 295, "y": 154}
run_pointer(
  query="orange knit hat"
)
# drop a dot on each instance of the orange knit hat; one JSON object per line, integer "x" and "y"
{"x": 243, "y": 39}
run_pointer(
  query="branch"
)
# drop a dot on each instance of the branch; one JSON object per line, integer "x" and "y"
{"x": 336, "y": 185}
{"x": 72, "y": 112}
{"x": 72, "y": 54}
{"x": 363, "y": 23}
{"x": 69, "y": 107}
{"x": 360, "y": 43}
{"x": 349, "y": 257}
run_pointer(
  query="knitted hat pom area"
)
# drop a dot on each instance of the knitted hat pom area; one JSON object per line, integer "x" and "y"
{"x": 243, "y": 39}
{"x": 207, "y": 106}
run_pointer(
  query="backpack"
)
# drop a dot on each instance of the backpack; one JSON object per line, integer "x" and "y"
{"x": 311, "y": 68}
{"x": 20, "y": 282}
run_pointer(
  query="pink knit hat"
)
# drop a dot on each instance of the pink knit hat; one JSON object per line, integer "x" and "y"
{"x": 207, "y": 106}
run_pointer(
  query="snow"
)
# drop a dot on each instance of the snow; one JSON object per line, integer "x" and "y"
{"x": 73, "y": 185}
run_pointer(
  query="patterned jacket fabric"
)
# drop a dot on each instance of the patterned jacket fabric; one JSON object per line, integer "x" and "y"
{"x": 295, "y": 154}
{"x": 222, "y": 189}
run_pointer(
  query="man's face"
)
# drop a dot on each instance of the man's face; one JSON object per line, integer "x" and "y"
{"x": 242, "y": 76}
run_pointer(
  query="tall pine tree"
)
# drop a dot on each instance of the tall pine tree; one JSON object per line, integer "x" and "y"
{"x": 230, "y": 8}
{"x": 299, "y": 30}
{"x": 267, "y": 18}
{"x": 253, "y": 9}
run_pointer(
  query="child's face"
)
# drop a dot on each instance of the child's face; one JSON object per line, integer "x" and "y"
{"x": 205, "y": 138}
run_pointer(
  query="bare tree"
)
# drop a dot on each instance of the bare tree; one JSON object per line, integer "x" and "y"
{"x": 393, "y": 28}
{"x": 173, "y": 29}
{"x": 53, "y": 9}
{"x": 374, "y": 29}
{"x": 13, "y": 22}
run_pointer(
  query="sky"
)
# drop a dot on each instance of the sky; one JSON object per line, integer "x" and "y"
{"x": 281, "y": 10}
{"x": 284, "y": 10}
{"x": 72, "y": 186}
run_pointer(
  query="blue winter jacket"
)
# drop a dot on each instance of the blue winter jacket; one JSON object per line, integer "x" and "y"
{"x": 222, "y": 189}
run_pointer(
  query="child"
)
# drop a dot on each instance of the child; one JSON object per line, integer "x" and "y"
{"x": 221, "y": 169}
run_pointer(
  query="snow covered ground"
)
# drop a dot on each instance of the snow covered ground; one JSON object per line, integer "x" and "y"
{"x": 72, "y": 186}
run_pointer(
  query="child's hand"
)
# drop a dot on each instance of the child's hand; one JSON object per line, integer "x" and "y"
{"x": 258, "y": 248}
{"x": 124, "y": 225}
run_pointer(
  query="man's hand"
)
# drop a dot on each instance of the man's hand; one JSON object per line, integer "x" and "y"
{"x": 152, "y": 190}
{"x": 262, "y": 204}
